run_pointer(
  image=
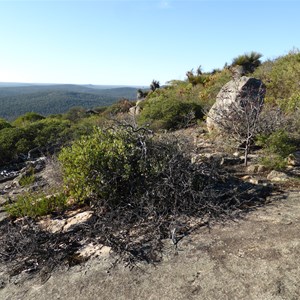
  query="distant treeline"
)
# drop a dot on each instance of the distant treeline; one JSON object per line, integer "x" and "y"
{"x": 47, "y": 100}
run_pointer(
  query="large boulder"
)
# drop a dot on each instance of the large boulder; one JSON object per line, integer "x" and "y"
{"x": 240, "y": 95}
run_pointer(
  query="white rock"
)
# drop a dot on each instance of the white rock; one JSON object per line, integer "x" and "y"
{"x": 294, "y": 159}
{"x": 52, "y": 225}
{"x": 91, "y": 250}
{"x": 277, "y": 176}
{"x": 77, "y": 219}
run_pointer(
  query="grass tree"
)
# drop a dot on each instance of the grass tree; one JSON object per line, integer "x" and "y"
{"x": 154, "y": 85}
{"x": 248, "y": 61}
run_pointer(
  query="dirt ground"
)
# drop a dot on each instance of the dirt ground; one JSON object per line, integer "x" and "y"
{"x": 257, "y": 257}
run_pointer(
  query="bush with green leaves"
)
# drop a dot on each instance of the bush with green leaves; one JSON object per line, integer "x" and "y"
{"x": 49, "y": 132}
{"x": 110, "y": 164}
{"x": 122, "y": 106}
{"x": 27, "y": 180}
{"x": 10, "y": 143}
{"x": 277, "y": 147}
{"x": 170, "y": 109}
{"x": 36, "y": 204}
{"x": 4, "y": 124}
{"x": 27, "y": 119}
{"x": 281, "y": 77}
{"x": 42, "y": 134}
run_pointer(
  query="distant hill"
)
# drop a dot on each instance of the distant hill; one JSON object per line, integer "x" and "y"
{"x": 54, "y": 99}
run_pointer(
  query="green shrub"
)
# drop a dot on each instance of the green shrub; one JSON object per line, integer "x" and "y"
{"x": 9, "y": 141}
{"x": 291, "y": 104}
{"x": 27, "y": 180}
{"x": 277, "y": 147}
{"x": 36, "y": 204}
{"x": 110, "y": 164}
{"x": 281, "y": 76}
{"x": 209, "y": 92}
{"x": 167, "y": 112}
{"x": 42, "y": 133}
{"x": 4, "y": 124}
{"x": 280, "y": 143}
{"x": 27, "y": 119}
{"x": 122, "y": 106}
{"x": 274, "y": 162}
{"x": 75, "y": 114}
{"x": 48, "y": 132}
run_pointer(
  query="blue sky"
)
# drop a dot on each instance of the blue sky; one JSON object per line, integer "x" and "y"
{"x": 133, "y": 42}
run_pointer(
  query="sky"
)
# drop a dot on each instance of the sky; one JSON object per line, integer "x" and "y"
{"x": 124, "y": 42}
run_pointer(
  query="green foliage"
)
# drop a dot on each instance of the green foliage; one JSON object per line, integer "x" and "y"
{"x": 27, "y": 119}
{"x": 281, "y": 77}
{"x": 212, "y": 87}
{"x": 75, "y": 114}
{"x": 49, "y": 132}
{"x": 197, "y": 77}
{"x": 9, "y": 143}
{"x": 277, "y": 147}
{"x": 27, "y": 179}
{"x": 182, "y": 103}
{"x": 43, "y": 133}
{"x": 249, "y": 61}
{"x": 170, "y": 108}
{"x": 122, "y": 106}
{"x": 291, "y": 104}
{"x": 36, "y": 204}
{"x": 274, "y": 162}
{"x": 110, "y": 165}
{"x": 4, "y": 124}
{"x": 280, "y": 143}
{"x": 55, "y": 101}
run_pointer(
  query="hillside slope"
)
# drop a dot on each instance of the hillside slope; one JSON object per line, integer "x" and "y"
{"x": 46, "y": 100}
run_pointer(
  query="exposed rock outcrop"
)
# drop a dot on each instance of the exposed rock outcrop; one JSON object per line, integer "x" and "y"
{"x": 135, "y": 110}
{"x": 236, "y": 96}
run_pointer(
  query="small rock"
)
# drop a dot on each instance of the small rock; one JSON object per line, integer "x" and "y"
{"x": 3, "y": 215}
{"x": 3, "y": 200}
{"x": 252, "y": 169}
{"x": 77, "y": 219}
{"x": 236, "y": 154}
{"x": 91, "y": 250}
{"x": 38, "y": 165}
{"x": 277, "y": 176}
{"x": 230, "y": 161}
{"x": 254, "y": 180}
{"x": 256, "y": 169}
{"x": 52, "y": 225}
{"x": 294, "y": 159}
{"x": 261, "y": 169}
